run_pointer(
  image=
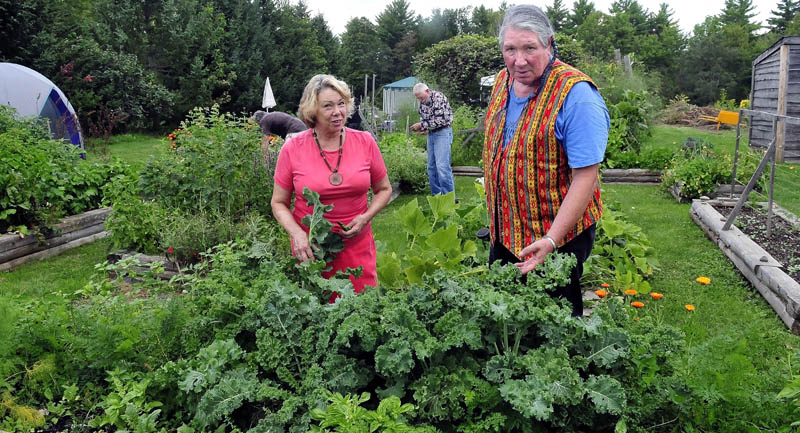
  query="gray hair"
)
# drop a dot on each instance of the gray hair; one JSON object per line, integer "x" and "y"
{"x": 530, "y": 18}
{"x": 258, "y": 115}
{"x": 419, "y": 88}
{"x": 309, "y": 102}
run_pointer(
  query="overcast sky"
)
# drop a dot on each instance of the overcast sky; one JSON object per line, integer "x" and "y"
{"x": 687, "y": 12}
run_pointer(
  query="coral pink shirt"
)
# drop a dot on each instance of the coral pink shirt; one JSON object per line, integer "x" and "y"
{"x": 300, "y": 165}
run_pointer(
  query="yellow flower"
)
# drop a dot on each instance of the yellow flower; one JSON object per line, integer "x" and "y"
{"x": 703, "y": 280}
{"x": 656, "y": 295}
{"x": 601, "y": 293}
{"x": 631, "y": 292}
{"x": 637, "y": 304}
{"x": 689, "y": 307}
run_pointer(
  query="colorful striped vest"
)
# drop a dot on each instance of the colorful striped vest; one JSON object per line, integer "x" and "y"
{"x": 527, "y": 181}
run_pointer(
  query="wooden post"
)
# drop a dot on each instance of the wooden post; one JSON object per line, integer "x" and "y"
{"x": 374, "y": 121}
{"x": 627, "y": 65}
{"x": 783, "y": 80}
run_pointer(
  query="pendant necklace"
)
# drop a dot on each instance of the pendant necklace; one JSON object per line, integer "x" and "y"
{"x": 335, "y": 178}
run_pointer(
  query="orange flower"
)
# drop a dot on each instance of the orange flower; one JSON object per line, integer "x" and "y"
{"x": 601, "y": 293}
{"x": 689, "y": 307}
{"x": 631, "y": 292}
{"x": 703, "y": 280}
{"x": 605, "y": 285}
{"x": 656, "y": 295}
{"x": 637, "y": 304}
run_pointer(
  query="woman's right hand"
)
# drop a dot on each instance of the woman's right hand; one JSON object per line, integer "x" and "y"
{"x": 302, "y": 248}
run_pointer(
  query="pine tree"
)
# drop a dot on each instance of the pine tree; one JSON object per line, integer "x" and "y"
{"x": 558, "y": 14}
{"x": 580, "y": 10}
{"x": 787, "y": 9}
{"x": 740, "y": 12}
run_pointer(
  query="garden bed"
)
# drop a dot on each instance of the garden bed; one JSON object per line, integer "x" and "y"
{"x": 721, "y": 191}
{"x": 631, "y": 175}
{"x": 767, "y": 274}
{"x": 71, "y": 232}
{"x": 609, "y": 175}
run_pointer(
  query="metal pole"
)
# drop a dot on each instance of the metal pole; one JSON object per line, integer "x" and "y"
{"x": 736, "y": 153}
{"x": 374, "y": 121}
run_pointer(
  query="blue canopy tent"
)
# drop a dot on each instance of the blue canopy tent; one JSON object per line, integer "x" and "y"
{"x": 32, "y": 94}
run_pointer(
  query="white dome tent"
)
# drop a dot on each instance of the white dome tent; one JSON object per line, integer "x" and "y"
{"x": 32, "y": 94}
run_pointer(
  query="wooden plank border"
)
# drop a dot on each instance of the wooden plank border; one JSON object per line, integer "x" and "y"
{"x": 71, "y": 232}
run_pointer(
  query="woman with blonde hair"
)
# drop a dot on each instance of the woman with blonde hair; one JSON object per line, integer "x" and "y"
{"x": 339, "y": 163}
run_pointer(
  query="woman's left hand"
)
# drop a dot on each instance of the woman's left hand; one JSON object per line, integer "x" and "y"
{"x": 356, "y": 225}
{"x": 537, "y": 251}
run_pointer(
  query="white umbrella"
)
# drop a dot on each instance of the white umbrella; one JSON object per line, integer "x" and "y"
{"x": 32, "y": 94}
{"x": 268, "y": 101}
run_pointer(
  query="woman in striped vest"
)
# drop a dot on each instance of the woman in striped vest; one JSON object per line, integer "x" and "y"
{"x": 546, "y": 133}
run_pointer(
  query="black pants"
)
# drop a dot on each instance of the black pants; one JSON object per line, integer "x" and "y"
{"x": 580, "y": 246}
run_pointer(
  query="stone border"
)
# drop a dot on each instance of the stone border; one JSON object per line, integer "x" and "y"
{"x": 762, "y": 270}
{"x": 71, "y": 232}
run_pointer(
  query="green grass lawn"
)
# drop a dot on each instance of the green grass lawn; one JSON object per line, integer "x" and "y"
{"x": 787, "y": 176}
{"x": 738, "y": 349}
{"x": 134, "y": 149}
{"x": 64, "y": 273}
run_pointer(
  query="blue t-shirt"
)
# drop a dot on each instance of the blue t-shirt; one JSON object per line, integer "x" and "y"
{"x": 581, "y": 125}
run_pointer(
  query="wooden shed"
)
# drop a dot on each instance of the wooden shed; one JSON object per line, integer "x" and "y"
{"x": 398, "y": 94}
{"x": 775, "y": 88}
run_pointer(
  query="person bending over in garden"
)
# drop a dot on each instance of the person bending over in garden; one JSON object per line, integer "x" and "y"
{"x": 546, "y": 133}
{"x": 339, "y": 163}
{"x": 436, "y": 118}
{"x": 278, "y": 123}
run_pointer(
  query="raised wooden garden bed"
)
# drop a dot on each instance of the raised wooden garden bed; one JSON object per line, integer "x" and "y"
{"x": 722, "y": 191}
{"x": 467, "y": 170}
{"x": 71, "y": 232}
{"x": 762, "y": 270}
{"x": 631, "y": 175}
{"x": 610, "y": 175}
{"x": 144, "y": 261}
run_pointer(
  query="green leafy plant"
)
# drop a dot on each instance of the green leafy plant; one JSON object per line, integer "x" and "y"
{"x": 203, "y": 192}
{"x": 127, "y": 407}
{"x": 344, "y": 414}
{"x": 431, "y": 242}
{"x": 697, "y": 170}
{"x": 324, "y": 241}
{"x": 43, "y": 180}
{"x": 622, "y": 255}
{"x": 404, "y": 163}
{"x": 465, "y": 152}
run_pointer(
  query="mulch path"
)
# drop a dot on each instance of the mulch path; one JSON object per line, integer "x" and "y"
{"x": 783, "y": 244}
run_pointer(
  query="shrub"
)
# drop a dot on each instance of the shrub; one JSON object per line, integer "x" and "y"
{"x": 470, "y": 153}
{"x": 404, "y": 163}
{"x": 195, "y": 196}
{"x": 697, "y": 169}
{"x": 653, "y": 158}
{"x": 43, "y": 180}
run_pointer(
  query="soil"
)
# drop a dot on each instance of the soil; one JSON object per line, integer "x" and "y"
{"x": 783, "y": 244}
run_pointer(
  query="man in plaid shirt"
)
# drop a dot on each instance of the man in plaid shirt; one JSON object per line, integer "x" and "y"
{"x": 436, "y": 116}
